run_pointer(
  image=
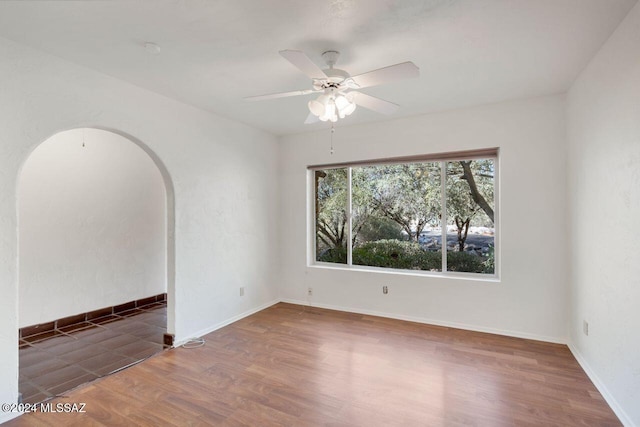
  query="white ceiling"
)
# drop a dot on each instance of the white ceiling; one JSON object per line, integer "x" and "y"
{"x": 215, "y": 52}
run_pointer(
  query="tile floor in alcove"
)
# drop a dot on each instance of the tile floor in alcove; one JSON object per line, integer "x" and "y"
{"x": 52, "y": 365}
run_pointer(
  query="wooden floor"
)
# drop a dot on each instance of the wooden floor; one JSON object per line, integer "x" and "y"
{"x": 291, "y": 365}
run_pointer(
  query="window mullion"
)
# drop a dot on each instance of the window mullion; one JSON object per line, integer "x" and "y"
{"x": 349, "y": 216}
{"x": 443, "y": 215}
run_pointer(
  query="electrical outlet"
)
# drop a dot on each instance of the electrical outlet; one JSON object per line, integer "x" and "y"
{"x": 310, "y": 291}
{"x": 585, "y": 327}
{"x": 385, "y": 290}
{"x": 241, "y": 291}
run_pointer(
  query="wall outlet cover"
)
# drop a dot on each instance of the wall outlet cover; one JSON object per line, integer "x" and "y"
{"x": 585, "y": 327}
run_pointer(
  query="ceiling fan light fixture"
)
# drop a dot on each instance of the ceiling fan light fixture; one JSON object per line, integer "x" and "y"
{"x": 316, "y": 107}
{"x": 350, "y": 108}
{"x": 344, "y": 105}
{"x": 329, "y": 107}
{"x": 330, "y": 111}
{"x": 341, "y": 102}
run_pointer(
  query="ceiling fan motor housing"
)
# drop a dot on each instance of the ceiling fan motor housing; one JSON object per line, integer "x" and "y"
{"x": 335, "y": 75}
{"x": 330, "y": 57}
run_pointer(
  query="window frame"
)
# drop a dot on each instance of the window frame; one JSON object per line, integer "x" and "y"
{"x": 443, "y": 159}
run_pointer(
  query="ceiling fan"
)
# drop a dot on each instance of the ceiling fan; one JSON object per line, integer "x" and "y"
{"x": 339, "y": 96}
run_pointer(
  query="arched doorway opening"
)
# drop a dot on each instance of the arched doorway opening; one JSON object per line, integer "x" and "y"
{"x": 95, "y": 256}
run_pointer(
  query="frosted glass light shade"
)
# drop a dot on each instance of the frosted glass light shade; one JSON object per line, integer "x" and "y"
{"x": 329, "y": 110}
{"x": 349, "y": 108}
{"x": 328, "y": 107}
{"x": 316, "y": 107}
{"x": 341, "y": 102}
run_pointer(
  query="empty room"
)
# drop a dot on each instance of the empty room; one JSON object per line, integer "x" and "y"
{"x": 332, "y": 213}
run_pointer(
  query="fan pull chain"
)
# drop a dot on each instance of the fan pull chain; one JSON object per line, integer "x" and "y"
{"x": 332, "y": 132}
{"x": 83, "y": 137}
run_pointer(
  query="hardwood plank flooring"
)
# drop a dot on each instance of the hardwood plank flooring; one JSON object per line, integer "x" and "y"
{"x": 300, "y": 366}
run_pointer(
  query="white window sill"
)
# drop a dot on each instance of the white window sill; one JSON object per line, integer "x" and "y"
{"x": 492, "y": 278}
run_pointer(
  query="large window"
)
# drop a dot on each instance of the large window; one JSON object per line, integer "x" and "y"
{"x": 433, "y": 215}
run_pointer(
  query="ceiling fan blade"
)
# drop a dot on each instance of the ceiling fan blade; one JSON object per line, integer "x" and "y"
{"x": 311, "y": 118}
{"x": 303, "y": 63}
{"x": 375, "y": 104}
{"x": 280, "y": 95}
{"x": 404, "y": 70}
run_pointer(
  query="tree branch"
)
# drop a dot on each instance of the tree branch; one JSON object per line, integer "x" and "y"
{"x": 475, "y": 194}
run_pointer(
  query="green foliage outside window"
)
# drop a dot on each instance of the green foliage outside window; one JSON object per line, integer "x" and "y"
{"x": 397, "y": 215}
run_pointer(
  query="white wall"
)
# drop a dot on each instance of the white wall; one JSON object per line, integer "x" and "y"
{"x": 604, "y": 189}
{"x": 530, "y": 299}
{"x": 224, "y": 176}
{"x": 92, "y": 226}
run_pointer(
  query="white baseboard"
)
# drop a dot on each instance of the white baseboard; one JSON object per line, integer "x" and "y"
{"x": 455, "y": 325}
{"x": 613, "y": 403}
{"x": 224, "y": 323}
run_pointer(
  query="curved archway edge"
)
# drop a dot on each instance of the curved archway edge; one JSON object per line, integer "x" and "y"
{"x": 170, "y": 209}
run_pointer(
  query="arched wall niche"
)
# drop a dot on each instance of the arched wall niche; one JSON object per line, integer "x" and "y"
{"x": 123, "y": 240}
